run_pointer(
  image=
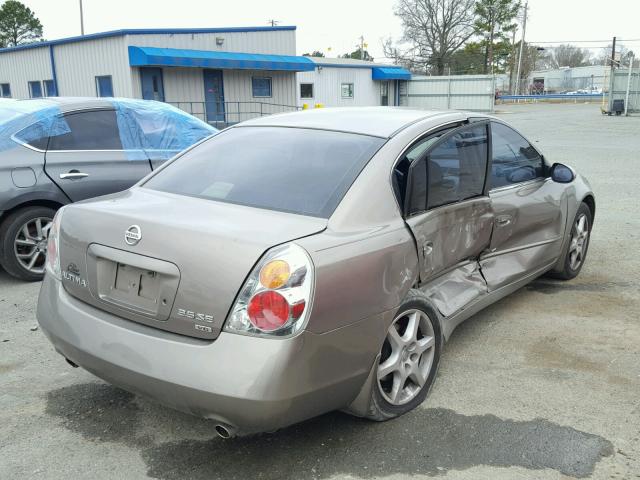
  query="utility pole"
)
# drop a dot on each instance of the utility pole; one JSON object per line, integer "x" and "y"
{"x": 524, "y": 31}
{"x": 81, "y": 20}
{"x": 273, "y": 22}
{"x": 612, "y": 79}
{"x": 361, "y": 47}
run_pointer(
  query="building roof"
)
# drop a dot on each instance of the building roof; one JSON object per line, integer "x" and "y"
{"x": 379, "y": 71}
{"x": 174, "y": 57}
{"x": 375, "y": 121}
{"x": 144, "y": 31}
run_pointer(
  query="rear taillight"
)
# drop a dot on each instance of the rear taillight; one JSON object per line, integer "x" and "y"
{"x": 53, "y": 246}
{"x": 276, "y": 298}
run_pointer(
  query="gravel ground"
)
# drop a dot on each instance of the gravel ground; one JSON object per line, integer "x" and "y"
{"x": 544, "y": 384}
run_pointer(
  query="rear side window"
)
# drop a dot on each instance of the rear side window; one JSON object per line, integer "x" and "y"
{"x": 452, "y": 171}
{"x": 91, "y": 130}
{"x": 514, "y": 160}
{"x": 293, "y": 170}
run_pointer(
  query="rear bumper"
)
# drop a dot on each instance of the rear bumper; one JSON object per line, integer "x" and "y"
{"x": 251, "y": 384}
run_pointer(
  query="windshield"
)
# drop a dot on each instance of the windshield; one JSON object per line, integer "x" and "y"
{"x": 293, "y": 170}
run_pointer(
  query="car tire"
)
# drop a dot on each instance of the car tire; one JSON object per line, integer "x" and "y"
{"x": 12, "y": 231}
{"x": 382, "y": 406}
{"x": 577, "y": 245}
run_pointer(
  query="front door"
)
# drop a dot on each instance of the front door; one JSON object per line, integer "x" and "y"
{"x": 152, "y": 84}
{"x": 89, "y": 160}
{"x": 450, "y": 215}
{"x": 214, "y": 95}
{"x": 529, "y": 210}
{"x": 384, "y": 94}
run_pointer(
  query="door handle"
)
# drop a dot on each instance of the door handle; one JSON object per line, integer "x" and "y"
{"x": 73, "y": 175}
{"x": 503, "y": 220}
{"x": 427, "y": 248}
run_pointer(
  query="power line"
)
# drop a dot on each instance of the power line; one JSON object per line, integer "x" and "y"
{"x": 589, "y": 41}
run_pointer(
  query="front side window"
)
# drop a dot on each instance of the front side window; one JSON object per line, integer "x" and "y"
{"x": 35, "y": 89}
{"x": 104, "y": 86}
{"x": 306, "y": 90}
{"x": 5, "y": 90}
{"x": 91, "y": 130}
{"x": 514, "y": 160}
{"x": 454, "y": 170}
{"x": 261, "y": 86}
{"x": 347, "y": 90}
{"x": 50, "y": 88}
{"x": 292, "y": 170}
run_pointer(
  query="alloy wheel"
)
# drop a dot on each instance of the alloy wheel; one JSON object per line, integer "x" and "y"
{"x": 30, "y": 244}
{"x": 579, "y": 241}
{"x": 407, "y": 357}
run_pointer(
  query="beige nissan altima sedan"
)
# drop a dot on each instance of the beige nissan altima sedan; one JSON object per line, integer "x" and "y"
{"x": 301, "y": 263}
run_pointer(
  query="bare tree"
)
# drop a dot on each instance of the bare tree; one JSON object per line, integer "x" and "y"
{"x": 434, "y": 30}
{"x": 570, "y": 56}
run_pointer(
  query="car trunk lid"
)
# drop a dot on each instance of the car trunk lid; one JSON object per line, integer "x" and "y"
{"x": 168, "y": 261}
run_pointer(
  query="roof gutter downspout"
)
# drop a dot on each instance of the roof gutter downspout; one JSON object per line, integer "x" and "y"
{"x": 54, "y": 75}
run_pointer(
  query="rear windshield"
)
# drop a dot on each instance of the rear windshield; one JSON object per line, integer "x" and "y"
{"x": 293, "y": 170}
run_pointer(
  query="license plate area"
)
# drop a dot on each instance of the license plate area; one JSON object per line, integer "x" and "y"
{"x": 131, "y": 282}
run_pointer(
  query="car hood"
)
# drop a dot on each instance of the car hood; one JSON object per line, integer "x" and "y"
{"x": 185, "y": 271}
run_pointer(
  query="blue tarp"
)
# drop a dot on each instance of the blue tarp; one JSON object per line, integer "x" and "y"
{"x": 390, "y": 73}
{"x": 173, "y": 57}
{"x": 29, "y": 121}
{"x": 148, "y": 129}
{"x": 159, "y": 129}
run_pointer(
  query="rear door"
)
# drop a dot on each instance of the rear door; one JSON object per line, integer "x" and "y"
{"x": 89, "y": 160}
{"x": 529, "y": 209}
{"x": 450, "y": 215}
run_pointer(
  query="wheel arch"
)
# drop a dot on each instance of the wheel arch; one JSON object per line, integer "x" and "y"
{"x": 591, "y": 203}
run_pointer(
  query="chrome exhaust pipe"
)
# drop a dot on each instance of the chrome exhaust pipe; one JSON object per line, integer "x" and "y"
{"x": 225, "y": 431}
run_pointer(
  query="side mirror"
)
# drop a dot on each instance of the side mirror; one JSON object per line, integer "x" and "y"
{"x": 562, "y": 174}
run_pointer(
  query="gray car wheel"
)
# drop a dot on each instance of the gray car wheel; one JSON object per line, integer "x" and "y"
{"x": 408, "y": 360}
{"x": 578, "y": 244}
{"x": 24, "y": 242}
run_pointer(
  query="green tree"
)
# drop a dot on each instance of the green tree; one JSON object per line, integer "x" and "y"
{"x": 495, "y": 19}
{"x": 315, "y": 53}
{"x": 357, "y": 54}
{"x": 468, "y": 60}
{"x": 18, "y": 24}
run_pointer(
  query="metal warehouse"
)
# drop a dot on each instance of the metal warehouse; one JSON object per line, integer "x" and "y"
{"x": 343, "y": 82}
{"x": 219, "y": 74}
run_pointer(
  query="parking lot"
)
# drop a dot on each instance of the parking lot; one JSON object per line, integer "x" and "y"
{"x": 544, "y": 384}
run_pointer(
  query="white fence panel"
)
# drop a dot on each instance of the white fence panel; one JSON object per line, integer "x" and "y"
{"x": 458, "y": 92}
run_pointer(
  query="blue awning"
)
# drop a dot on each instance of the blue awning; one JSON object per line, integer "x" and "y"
{"x": 390, "y": 73}
{"x": 173, "y": 57}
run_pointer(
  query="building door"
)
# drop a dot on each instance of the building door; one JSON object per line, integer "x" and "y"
{"x": 214, "y": 95}
{"x": 384, "y": 94}
{"x": 152, "y": 85}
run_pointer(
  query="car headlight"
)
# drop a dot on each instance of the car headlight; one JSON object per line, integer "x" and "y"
{"x": 275, "y": 300}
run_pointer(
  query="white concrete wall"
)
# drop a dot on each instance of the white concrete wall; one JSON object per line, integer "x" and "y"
{"x": 457, "y": 92}
{"x": 327, "y": 83}
{"x": 22, "y": 66}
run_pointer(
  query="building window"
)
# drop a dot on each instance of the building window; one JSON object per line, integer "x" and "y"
{"x": 5, "y": 90}
{"x": 104, "y": 86}
{"x": 261, "y": 86}
{"x": 50, "y": 88}
{"x": 35, "y": 89}
{"x": 347, "y": 90}
{"x": 306, "y": 90}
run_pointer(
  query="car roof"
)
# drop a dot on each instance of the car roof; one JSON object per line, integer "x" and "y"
{"x": 375, "y": 121}
{"x": 72, "y": 103}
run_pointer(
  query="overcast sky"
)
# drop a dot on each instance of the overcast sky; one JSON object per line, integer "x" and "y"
{"x": 334, "y": 24}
